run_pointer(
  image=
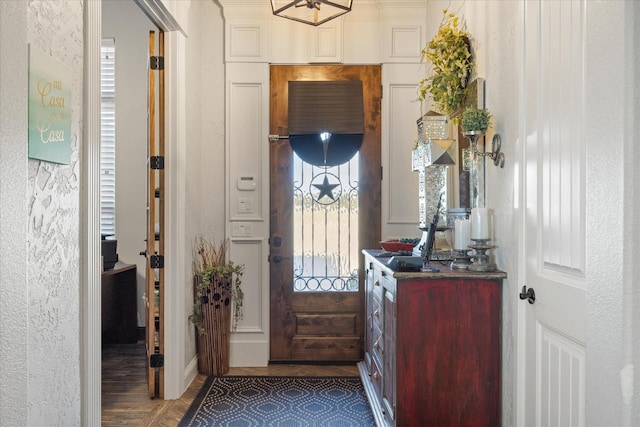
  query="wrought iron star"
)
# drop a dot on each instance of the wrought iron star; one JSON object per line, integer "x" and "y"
{"x": 326, "y": 189}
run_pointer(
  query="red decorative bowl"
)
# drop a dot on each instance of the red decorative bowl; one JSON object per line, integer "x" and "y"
{"x": 396, "y": 246}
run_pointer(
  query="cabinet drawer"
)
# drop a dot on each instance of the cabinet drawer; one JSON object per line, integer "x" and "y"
{"x": 376, "y": 312}
{"x": 377, "y": 345}
{"x": 377, "y": 284}
{"x": 376, "y": 379}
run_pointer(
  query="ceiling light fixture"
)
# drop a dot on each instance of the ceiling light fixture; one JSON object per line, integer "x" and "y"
{"x": 312, "y": 12}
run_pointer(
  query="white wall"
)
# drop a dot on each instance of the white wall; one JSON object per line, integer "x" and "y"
{"x": 493, "y": 27}
{"x": 53, "y": 235}
{"x": 203, "y": 145}
{"x": 40, "y": 345}
{"x": 14, "y": 292}
{"x": 613, "y": 289}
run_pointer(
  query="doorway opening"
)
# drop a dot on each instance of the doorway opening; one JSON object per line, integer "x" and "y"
{"x": 131, "y": 314}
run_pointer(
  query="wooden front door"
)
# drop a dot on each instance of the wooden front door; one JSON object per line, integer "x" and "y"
{"x": 317, "y": 315}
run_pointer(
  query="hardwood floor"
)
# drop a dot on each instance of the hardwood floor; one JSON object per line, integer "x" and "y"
{"x": 125, "y": 401}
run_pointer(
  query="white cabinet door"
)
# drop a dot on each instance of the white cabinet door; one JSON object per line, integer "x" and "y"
{"x": 551, "y": 333}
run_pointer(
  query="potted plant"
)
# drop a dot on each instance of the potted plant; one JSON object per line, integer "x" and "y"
{"x": 475, "y": 120}
{"x": 217, "y": 306}
{"x": 450, "y": 55}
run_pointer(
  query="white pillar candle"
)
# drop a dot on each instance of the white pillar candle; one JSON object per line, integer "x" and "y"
{"x": 480, "y": 223}
{"x": 462, "y": 233}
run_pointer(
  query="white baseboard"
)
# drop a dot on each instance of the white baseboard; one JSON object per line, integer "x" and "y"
{"x": 190, "y": 372}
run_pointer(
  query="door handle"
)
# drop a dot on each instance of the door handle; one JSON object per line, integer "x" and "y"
{"x": 528, "y": 294}
{"x": 276, "y": 258}
{"x": 143, "y": 253}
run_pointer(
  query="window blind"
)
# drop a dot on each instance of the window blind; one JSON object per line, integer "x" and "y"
{"x": 108, "y": 138}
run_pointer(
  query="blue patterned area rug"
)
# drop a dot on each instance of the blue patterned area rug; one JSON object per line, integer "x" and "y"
{"x": 280, "y": 401}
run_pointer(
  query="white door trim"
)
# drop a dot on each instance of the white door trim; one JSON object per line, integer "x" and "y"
{"x": 175, "y": 379}
{"x": 91, "y": 362}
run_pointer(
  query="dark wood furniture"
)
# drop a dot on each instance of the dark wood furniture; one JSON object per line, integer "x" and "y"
{"x": 432, "y": 346}
{"x": 119, "y": 308}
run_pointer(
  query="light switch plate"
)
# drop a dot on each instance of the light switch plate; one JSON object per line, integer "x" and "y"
{"x": 241, "y": 229}
{"x": 245, "y": 205}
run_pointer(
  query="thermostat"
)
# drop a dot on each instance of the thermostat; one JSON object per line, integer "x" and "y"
{"x": 246, "y": 183}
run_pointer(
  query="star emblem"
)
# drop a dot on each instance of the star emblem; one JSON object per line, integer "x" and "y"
{"x": 326, "y": 189}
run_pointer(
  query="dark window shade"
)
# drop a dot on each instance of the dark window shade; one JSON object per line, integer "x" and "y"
{"x": 340, "y": 149}
{"x": 333, "y": 106}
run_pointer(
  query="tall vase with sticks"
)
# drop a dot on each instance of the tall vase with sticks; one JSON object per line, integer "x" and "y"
{"x": 217, "y": 304}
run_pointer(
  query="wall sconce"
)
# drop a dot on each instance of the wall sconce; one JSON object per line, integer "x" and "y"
{"x": 495, "y": 154}
{"x": 476, "y": 165}
{"x": 312, "y": 12}
{"x": 496, "y": 143}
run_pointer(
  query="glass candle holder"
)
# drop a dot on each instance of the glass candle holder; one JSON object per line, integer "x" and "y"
{"x": 476, "y": 170}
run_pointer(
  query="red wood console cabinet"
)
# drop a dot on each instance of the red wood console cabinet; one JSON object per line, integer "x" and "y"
{"x": 432, "y": 346}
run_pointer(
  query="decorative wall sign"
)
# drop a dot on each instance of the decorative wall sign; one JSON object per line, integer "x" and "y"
{"x": 49, "y": 108}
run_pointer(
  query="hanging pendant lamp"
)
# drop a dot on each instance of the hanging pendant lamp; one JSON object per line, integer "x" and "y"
{"x": 312, "y": 12}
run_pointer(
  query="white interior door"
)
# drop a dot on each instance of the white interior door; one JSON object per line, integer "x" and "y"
{"x": 552, "y": 332}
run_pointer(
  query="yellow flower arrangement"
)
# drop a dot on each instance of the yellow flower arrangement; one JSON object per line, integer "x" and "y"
{"x": 450, "y": 56}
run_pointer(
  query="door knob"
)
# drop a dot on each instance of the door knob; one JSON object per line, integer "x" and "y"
{"x": 277, "y": 258}
{"x": 528, "y": 294}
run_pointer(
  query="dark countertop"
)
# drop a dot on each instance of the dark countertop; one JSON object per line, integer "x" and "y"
{"x": 445, "y": 271}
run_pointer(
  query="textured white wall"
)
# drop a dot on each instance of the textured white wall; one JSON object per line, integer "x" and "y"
{"x": 39, "y": 226}
{"x": 613, "y": 289}
{"x": 493, "y": 26}
{"x": 13, "y": 214}
{"x": 53, "y": 266}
